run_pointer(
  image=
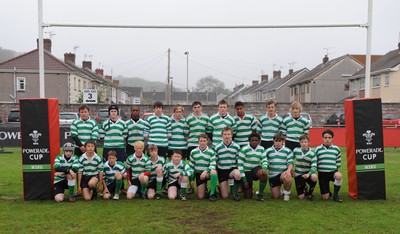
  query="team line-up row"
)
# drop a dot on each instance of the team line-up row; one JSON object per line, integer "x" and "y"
{"x": 239, "y": 155}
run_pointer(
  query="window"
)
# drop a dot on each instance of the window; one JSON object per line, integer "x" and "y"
{"x": 79, "y": 85}
{"x": 291, "y": 91}
{"x": 74, "y": 83}
{"x": 362, "y": 83}
{"x": 303, "y": 88}
{"x": 295, "y": 90}
{"x": 21, "y": 83}
{"x": 353, "y": 85}
{"x": 84, "y": 84}
{"x": 376, "y": 81}
{"x": 308, "y": 88}
{"x": 387, "y": 79}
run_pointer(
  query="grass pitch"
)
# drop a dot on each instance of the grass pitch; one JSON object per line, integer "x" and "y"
{"x": 194, "y": 216}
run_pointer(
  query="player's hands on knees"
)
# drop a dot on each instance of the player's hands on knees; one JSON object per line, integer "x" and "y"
{"x": 306, "y": 176}
{"x": 246, "y": 185}
{"x": 58, "y": 173}
{"x": 203, "y": 175}
{"x": 176, "y": 175}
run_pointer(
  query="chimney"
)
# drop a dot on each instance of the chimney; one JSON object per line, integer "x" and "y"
{"x": 87, "y": 64}
{"x": 276, "y": 74}
{"x": 325, "y": 59}
{"x": 290, "y": 71}
{"x": 109, "y": 78}
{"x": 264, "y": 78}
{"x": 255, "y": 82}
{"x": 116, "y": 82}
{"x": 99, "y": 71}
{"x": 69, "y": 57}
{"x": 46, "y": 44}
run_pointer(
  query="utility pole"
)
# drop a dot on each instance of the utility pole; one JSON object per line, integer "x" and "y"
{"x": 167, "y": 85}
{"x": 187, "y": 77}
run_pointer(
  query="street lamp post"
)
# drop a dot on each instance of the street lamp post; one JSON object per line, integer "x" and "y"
{"x": 187, "y": 77}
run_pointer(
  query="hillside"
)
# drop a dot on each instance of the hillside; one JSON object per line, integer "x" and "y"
{"x": 139, "y": 82}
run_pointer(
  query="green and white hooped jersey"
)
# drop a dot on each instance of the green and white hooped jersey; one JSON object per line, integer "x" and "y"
{"x": 245, "y": 126}
{"x": 160, "y": 163}
{"x": 62, "y": 161}
{"x": 217, "y": 124}
{"x": 278, "y": 160}
{"x": 293, "y": 128}
{"x": 306, "y": 162}
{"x": 196, "y": 127}
{"x": 227, "y": 155}
{"x": 183, "y": 169}
{"x": 157, "y": 130}
{"x": 328, "y": 158}
{"x": 268, "y": 127}
{"x": 85, "y": 130}
{"x": 138, "y": 165}
{"x": 135, "y": 130}
{"x": 202, "y": 160}
{"x": 250, "y": 158}
{"x": 90, "y": 167}
{"x": 109, "y": 171}
{"x": 178, "y": 131}
{"x": 114, "y": 134}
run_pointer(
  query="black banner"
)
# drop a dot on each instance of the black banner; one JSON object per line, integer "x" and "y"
{"x": 10, "y": 135}
{"x": 35, "y": 145}
{"x": 369, "y": 147}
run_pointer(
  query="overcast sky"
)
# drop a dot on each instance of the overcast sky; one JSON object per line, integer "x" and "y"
{"x": 232, "y": 55}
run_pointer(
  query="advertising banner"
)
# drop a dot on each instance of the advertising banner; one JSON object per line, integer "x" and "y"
{"x": 365, "y": 149}
{"x": 40, "y": 143}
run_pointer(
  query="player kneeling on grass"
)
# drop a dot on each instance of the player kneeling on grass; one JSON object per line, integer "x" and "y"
{"x": 138, "y": 168}
{"x": 329, "y": 161}
{"x": 203, "y": 163}
{"x": 226, "y": 155}
{"x": 178, "y": 173}
{"x": 306, "y": 166}
{"x": 253, "y": 165}
{"x": 154, "y": 188}
{"x": 114, "y": 172}
{"x": 66, "y": 166}
{"x": 280, "y": 165}
{"x": 90, "y": 173}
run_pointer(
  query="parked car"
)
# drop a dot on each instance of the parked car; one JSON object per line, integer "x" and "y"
{"x": 304, "y": 115}
{"x": 390, "y": 119}
{"x": 66, "y": 118}
{"x": 102, "y": 115}
{"x": 335, "y": 120}
{"x": 13, "y": 116}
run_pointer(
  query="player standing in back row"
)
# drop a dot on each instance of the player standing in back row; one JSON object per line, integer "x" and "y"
{"x": 294, "y": 126}
{"x": 156, "y": 133}
{"x": 219, "y": 121}
{"x": 269, "y": 124}
{"x": 246, "y": 124}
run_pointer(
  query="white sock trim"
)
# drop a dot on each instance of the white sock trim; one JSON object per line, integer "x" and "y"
{"x": 184, "y": 185}
{"x": 231, "y": 182}
{"x": 338, "y": 182}
{"x": 71, "y": 182}
{"x": 132, "y": 189}
{"x": 159, "y": 179}
{"x": 286, "y": 192}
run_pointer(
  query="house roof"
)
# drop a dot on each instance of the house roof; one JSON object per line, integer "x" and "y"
{"x": 387, "y": 61}
{"x": 316, "y": 71}
{"x": 91, "y": 74}
{"x": 30, "y": 61}
{"x": 278, "y": 82}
